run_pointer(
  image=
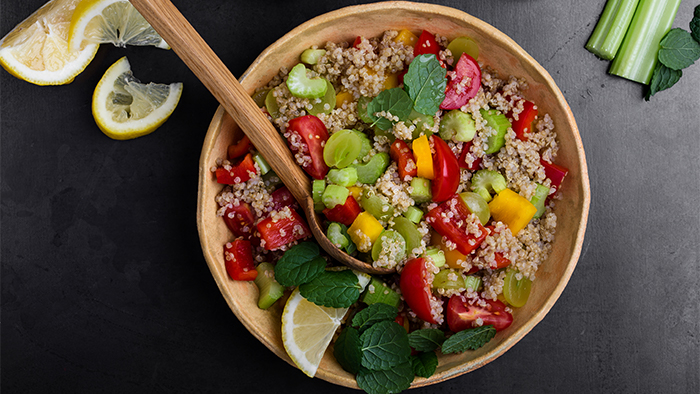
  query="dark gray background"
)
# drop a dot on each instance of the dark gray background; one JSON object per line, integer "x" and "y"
{"x": 104, "y": 287}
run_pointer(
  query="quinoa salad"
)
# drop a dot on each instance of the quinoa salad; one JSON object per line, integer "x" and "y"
{"x": 422, "y": 160}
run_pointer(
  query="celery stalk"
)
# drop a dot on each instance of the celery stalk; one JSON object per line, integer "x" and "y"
{"x": 636, "y": 58}
{"x": 611, "y": 28}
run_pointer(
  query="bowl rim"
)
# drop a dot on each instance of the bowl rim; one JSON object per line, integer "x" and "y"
{"x": 441, "y": 11}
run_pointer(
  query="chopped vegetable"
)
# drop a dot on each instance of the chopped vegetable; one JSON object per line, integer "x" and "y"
{"x": 238, "y": 257}
{"x": 485, "y": 182}
{"x": 424, "y": 159}
{"x": 512, "y": 209}
{"x": 342, "y": 148}
{"x": 364, "y": 230}
{"x": 500, "y": 125}
{"x": 343, "y": 213}
{"x": 335, "y": 195}
{"x": 300, "y": 85}
{"x": 611, "y": 28}
{"x": 269, "y": 291}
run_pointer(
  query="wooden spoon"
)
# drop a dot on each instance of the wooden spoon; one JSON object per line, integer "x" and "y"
{"x": 167, "y": 20}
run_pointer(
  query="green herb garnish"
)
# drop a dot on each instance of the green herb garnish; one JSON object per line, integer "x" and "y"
{"x": 333, "y": 289}
{"x": 373, "y": 314}
{"x": 424, "y": 364}
{"x": 300, "y": 264}
{"x": 426, "y": 340}
{"x": 678, "y": 49}
{"x": 395, "y": 103}
{"x": 662, "y": 79}
{"x": 425, "y": 84}
{"x": 469, "y": 339}
{"x": 384, "y": 346}
{"x": 392, "y": 380}
{"x": 695, "y": 24}
{"x": 347, "y": 350}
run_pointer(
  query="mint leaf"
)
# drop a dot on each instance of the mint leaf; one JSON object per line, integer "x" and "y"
{"x": 374, "y": 314}
{"x": 347, "y": 350}
{"x": 394, "y": 103}
{"x": 424, "y": 364}
{"x": 425, "y": 83}
{"x": 384, "y": 346}
{"x": 695, "y": 24}
{"x": 426, "y": 340}
{"x": 333, "y": 289}
{"x": 469, "y": 339}
{"x": 662, "y": 78}
{"x": 394, "y": 380}
{"x": 678, "y": 49}
{"x": 300, "y": 264}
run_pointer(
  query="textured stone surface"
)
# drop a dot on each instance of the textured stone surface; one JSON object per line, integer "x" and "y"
{"x": 104, "y": 288}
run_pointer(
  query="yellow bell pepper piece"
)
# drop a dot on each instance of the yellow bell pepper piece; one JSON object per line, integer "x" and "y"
{"x": 343, "y": 97}
{"x": 355, "y": 191}
{"x": 364, "y": 231}
{"x": 512, "y": 209}
{"x": 424, "y": 159}
{"x": 453, "y": 258}
{"x": 409, "y": 39}
{"x": 391, "y": 81}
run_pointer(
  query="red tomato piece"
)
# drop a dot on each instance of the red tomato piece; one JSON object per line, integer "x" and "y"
{"x": 463, "y": 83}
{"x": 281, "y": 198}
{"x": 401, "y": 74}
{"x": 462, "y": 314}
{"x": 238, "y": 257}
{"x": 240, "y": 219}
{"x": 446, "y": 170}
{"x": 474, "y": 162}
{"x": 239, "y": 149}
{"x": 345, "y": 213}
{"x": 501, "y": 260}
{"x": 238, "y": 173}
{"x": 401, "y": 154}
{"x": 451, "y": 219}
{"x": 523, "y": 125}
{"x": 415, "y": 289}
{"x": 555, "y": 173}
{"x": 426, "y": 45}
{"x": 276, "y": 234}
{"x": 306, "y": 136}
{"x": 356, "y": 43}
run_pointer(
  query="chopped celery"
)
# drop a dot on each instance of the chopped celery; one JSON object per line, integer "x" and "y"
{"x": 378, "y": 292}
{"x": 423, "y": 124}
{"x": 486, "y": 181}
{"x": 636, "y": 58}
{"x": 262, "y": 163}
{"x": 500, "y": 124}
{"x": 300, "y": 85}
{"x": 389, "y": 243}
{"x": 538, "y": 199}
{"x": 611, "y": 28}
{"x": 343, "y": 177}
{"x": 269, "y": 290}
{"x": 317, "y": 188}
{"x": 377, "y": 205}
{"x": 271, "y": 179}
{"x": 477, "y": 205}
{"x": 457, "y": 126}
{"x": 325, "y": 104}
{"x": 449, "y": 279}
{"x": 413, "y": 214}
{"x": 436, "y": 255}
{"x": 342, "y": 148}
{"x": 334, "y": 195}
{"x": 365, "y": 147}
{"x": 311, "y": 56}
{"x": 336, "y": 236}
{"x": 472, "y": 282}
{"x": 421, "y": 190}
{"x": 369, "y": 172}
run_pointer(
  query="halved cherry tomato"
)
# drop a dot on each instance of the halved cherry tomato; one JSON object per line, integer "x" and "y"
{"x": 240, "y": 219}
{"x": 239, "y": 149}
{"x": 446, "y": 170}
{"x": 401, "y": 154}
{"x": 475, "y": 162}
{"x": 238, "y": 260}
{"x": 277, "y": 234}
{"x": 238, "y": 173}
{"x": 426, "y": 45}
{"x": 416, "y": 289}
{"x": 555, "y": 173}
{"x": 307, "y": 135}
{"x": 345, "y": 213}
{"x": 461, "y": 314}
{"x": 451, "y": 219}
{"x": 281, "y": 198}
{"x": 463, "y": 83}
{"x": 523, "y": 125}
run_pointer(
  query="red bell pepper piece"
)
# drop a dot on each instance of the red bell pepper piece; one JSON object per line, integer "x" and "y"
{"x": 239, "y": 149}
{"x": 238, "y": 173}
{"x": 306, "y": 137}
{"x": 446, "y": 170}
{"x": 356, "y": 43}
{"x": 463, "y": 83}
{"x": 401, "y": 153}
{"x": 281, "y": 198}
{"x": 240, "y": 219}
{"x": 276, "y": 234}
{"x": 451, "y": 219}
{"x": 501, "y": 260}
{"x": 523, "y": 125}
{"x": 345, "y": 213}
{"x": 238, "y": 259}
{"x": 426, "y": 45}
{"x": 555, "y": 174}
{"x": 475, "y": 162}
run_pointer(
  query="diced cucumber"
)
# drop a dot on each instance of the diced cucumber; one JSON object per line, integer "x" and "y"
{"x": 271, "y": 104}
{"x": 376, "y": 205}
{"x": 318, "y": 186}
{"x": 389, "y": 241}
{"x": 311, "y": 56}
{"x": 326, "y": 105}
{"x": 262, "y": 163}
{"x": 539, "y": 199}
{"x": 334, "y": 195}
{"x": 378, "y": 292}
{"x": 343, "y": 177}
{"x": 300, "y": 85}
{"x": 413, "y": 214}
{"x": 486, "y": 181}
{"x": 269, "y": 290}
{"x": 457, "y": 126}
{"x": 421, "y": 190}
{"x": 477, "y": 205}
{"x": 500, "y": 124}
{"x": 409, "y": 232}
{"x": 436, "y": 255}
{"x": 449, "y": 279}
{"x": 369, "y": 172}
{"x": 342, "y": 148}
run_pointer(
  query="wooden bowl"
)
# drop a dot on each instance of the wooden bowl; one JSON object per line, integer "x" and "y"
{"x": 497, "y": 51}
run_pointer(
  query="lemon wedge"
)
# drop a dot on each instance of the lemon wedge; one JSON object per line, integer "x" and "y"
{"x": 37, "y": 50}
{"x": 307, "y": 328}
{"x": 125, "y": 108}
{"x": 111, "y": 21}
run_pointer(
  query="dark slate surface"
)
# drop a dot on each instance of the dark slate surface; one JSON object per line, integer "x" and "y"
{"x": 104, "y": 287}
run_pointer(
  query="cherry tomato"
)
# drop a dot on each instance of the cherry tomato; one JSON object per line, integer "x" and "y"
{"x": 446, "y": 170}
{"x": 238, "y": 257}
{"x": 401, "y": 154}
{"x": 464, "y": 82}
{"x": 240, "y": 219}
{"x": 345, "y": 213}
{"x": 238, "y": 173}
{"x": 451, "y": 219}
{"x": 426, "y": 45}
{"x": 416, "y": 289}
{"x": 307, "y": 134}
{"x": 239, "y": 149}
{"x": 461, "y": 314}
{"x": 277, "y": 234}
{"x": 474, "y": 162}
{"x": 523, "y": 125}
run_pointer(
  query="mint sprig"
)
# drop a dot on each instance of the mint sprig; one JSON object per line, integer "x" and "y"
{"x": 347, "y": 350}
{"x": 678, "y": 49}
{"x": 695, "y": 24}
{"x": 300, "y": 264}
{"x": 387, "y": 381}
{"x": 384, "y": 346}
{"x": 424, "y": 364}
{"x": 469, "y": 339}
{"x": 333, "y": 289}
{"x": 426, "y": 340}
{"x": 394, "y": 102}
{"x": 662, "y": 79}
{"x": 373, "y": 314}
{"x": 425, "y": 83}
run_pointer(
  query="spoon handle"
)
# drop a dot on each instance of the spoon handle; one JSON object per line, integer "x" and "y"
{"x": 167, "y": 20}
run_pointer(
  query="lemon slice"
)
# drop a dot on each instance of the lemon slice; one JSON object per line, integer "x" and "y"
{"x": 37, "y": 51}
{"x": 125, "y": 108}
{"x": 307, "y": 328}
{"x": 111, "y": 21}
